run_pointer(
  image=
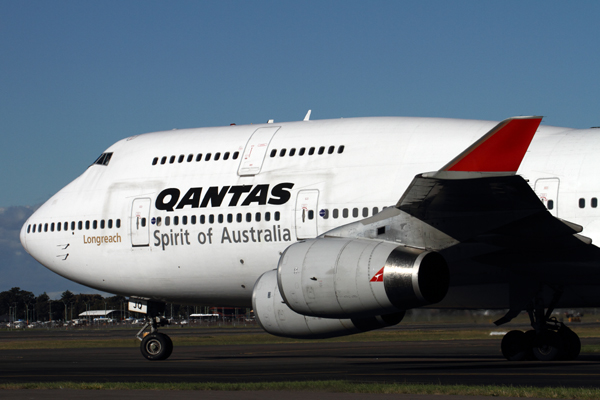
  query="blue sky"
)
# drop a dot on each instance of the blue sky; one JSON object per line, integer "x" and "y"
{"x": 77, "y": 76}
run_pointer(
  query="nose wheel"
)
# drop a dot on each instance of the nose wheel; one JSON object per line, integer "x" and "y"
{"x": 155, "y": 346}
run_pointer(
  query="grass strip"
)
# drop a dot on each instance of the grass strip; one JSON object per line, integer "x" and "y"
{"x": 332, "y": 386}
{"x": 245, "y": 339}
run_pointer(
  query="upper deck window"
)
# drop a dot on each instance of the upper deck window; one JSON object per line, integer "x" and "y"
{"x": 104, "y": 159}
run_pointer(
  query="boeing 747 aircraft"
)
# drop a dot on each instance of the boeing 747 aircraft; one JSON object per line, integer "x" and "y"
{"x": 334, "y": 227}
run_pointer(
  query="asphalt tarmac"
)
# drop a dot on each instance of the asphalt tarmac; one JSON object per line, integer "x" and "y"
{"x": 472, "y": 362}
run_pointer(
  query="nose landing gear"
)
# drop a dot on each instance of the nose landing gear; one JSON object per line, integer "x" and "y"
{"x": 155, "y": 346}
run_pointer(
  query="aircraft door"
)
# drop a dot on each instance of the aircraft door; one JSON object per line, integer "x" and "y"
{"x": 306, "y": 214}
{"x": 255, "y": 151}
{"x": 139, "y": 224}
{"x": 547, "y": 191}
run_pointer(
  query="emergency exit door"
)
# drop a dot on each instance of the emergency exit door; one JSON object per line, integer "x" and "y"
{"x": 256, "y": 150}
{"x": 547, "y": 191}
{"x": 306, "y": 214}
{"x": 139, "y": 225}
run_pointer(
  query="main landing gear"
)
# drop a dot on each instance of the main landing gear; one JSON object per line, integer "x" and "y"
{"x": 548, "y": 340}
{"x": 155, "y": 345}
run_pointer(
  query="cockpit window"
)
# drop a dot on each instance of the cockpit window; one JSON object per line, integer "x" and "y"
{"x": 104, "y": 159}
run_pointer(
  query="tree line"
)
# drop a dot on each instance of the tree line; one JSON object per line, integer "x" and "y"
{"x": 21, "y": 304}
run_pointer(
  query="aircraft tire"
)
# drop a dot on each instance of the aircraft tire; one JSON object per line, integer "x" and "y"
{"x": 156, "y": 346}
{"x": 514, "y": 346}
{"x": 548, "y": 346}
{"x": 572, "y": 343}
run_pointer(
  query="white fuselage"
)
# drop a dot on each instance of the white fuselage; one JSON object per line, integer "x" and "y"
{"x": 203, "y": 231}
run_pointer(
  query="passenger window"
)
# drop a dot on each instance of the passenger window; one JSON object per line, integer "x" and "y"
{"x": 273, "y": 153}
{"x": 172, "y": 160}
{"x": 217, "y": 156}
{"x": 181, "y": 158}
{"x": 365, "y": 212}
{"x": 340, "y": 149}
{"x": 238, "y": 217}
{"x": 211, "y": 219}
{"x": 66, "y": 227}
{"x": 220, "y": 218}
{"x": 594, "y": 202}
{"x": 167, "y": 221}
{"x": 95, "y": 224}
{"x": 163, "y": 160}
{"x": 207, "y": 157}
{"x": 375, "y": 210}
{"x": 175, "y": 220}
{"x": 226, "y": 156}
{"x": 143, "y": 222}
{"x": 87, "y": 225}
{"x": 58, "y": 226}
{"x": 193, "y": 220}
{"x": 331, "y": 150}
{"x": 102, "y": 224}
{"x": 282, "y": 153}
{"x": 257, "y": 217}
{"x": 302, "y": 151}
{"x": 155, "y": 161}
{"x": 267, "y": 216}
{"x": 158, "y": 221}
{"x": 335, "y": 213}
{"x": 190, "y": 157}
{"x": 248, "y": 217}
{"x": 550, "y": 204}
{"x": 581, "y": 203}
{"x": 311, "y": 151}
{"x": 229, "y": 218}
{"x": 292, "y": 152}
{"x": 199, "y": 157}
{"x": 202, "y": 219}
{"x": 311, "y": 214}
{"x": 40, "y": 228}
{"x": 52, "y": 227}
{"x": 118, "y": 223}
{"x": 321, "y": 150}
{"x": 277, "y": 215}
{"x": 355, "y": 213}
{"x": 184, "y": 220}
{"x": 72, "y": 225}
{"x": 235, "y": 155}
{"x": 345, "y": 213}
{"x": 109, "y": 224}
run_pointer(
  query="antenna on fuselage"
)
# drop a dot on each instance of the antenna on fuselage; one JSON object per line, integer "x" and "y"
{"x": 307, "y": 116}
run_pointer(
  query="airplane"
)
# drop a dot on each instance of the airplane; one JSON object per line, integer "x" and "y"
{"x": 334, "y": 227}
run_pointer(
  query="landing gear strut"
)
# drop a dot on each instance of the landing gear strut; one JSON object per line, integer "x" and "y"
{"x": 549, "y": 339}
{"x": 155, "y": 345}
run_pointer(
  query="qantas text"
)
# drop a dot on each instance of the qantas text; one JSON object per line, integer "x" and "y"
{"x": 169, "y": 199}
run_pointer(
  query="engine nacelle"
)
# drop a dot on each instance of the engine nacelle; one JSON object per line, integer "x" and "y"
{"x": 354, "y": 278}
{"x": 276, "y": 317}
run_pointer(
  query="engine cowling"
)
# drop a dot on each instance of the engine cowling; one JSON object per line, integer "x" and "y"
{"x": 357, "y": 278}
{"x": 278, "y": 319}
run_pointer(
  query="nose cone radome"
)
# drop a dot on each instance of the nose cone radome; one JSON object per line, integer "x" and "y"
{"x": 23, "y": 236}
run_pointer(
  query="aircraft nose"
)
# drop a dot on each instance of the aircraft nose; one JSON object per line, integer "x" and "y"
{"x": 23, "y": 235}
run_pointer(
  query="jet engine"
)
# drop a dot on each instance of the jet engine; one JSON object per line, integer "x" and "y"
{"x": 276, "y": 317}
{"x": 353, "y": 278}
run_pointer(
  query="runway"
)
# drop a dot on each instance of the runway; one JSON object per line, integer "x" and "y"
{"x": 472, "y": 362}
